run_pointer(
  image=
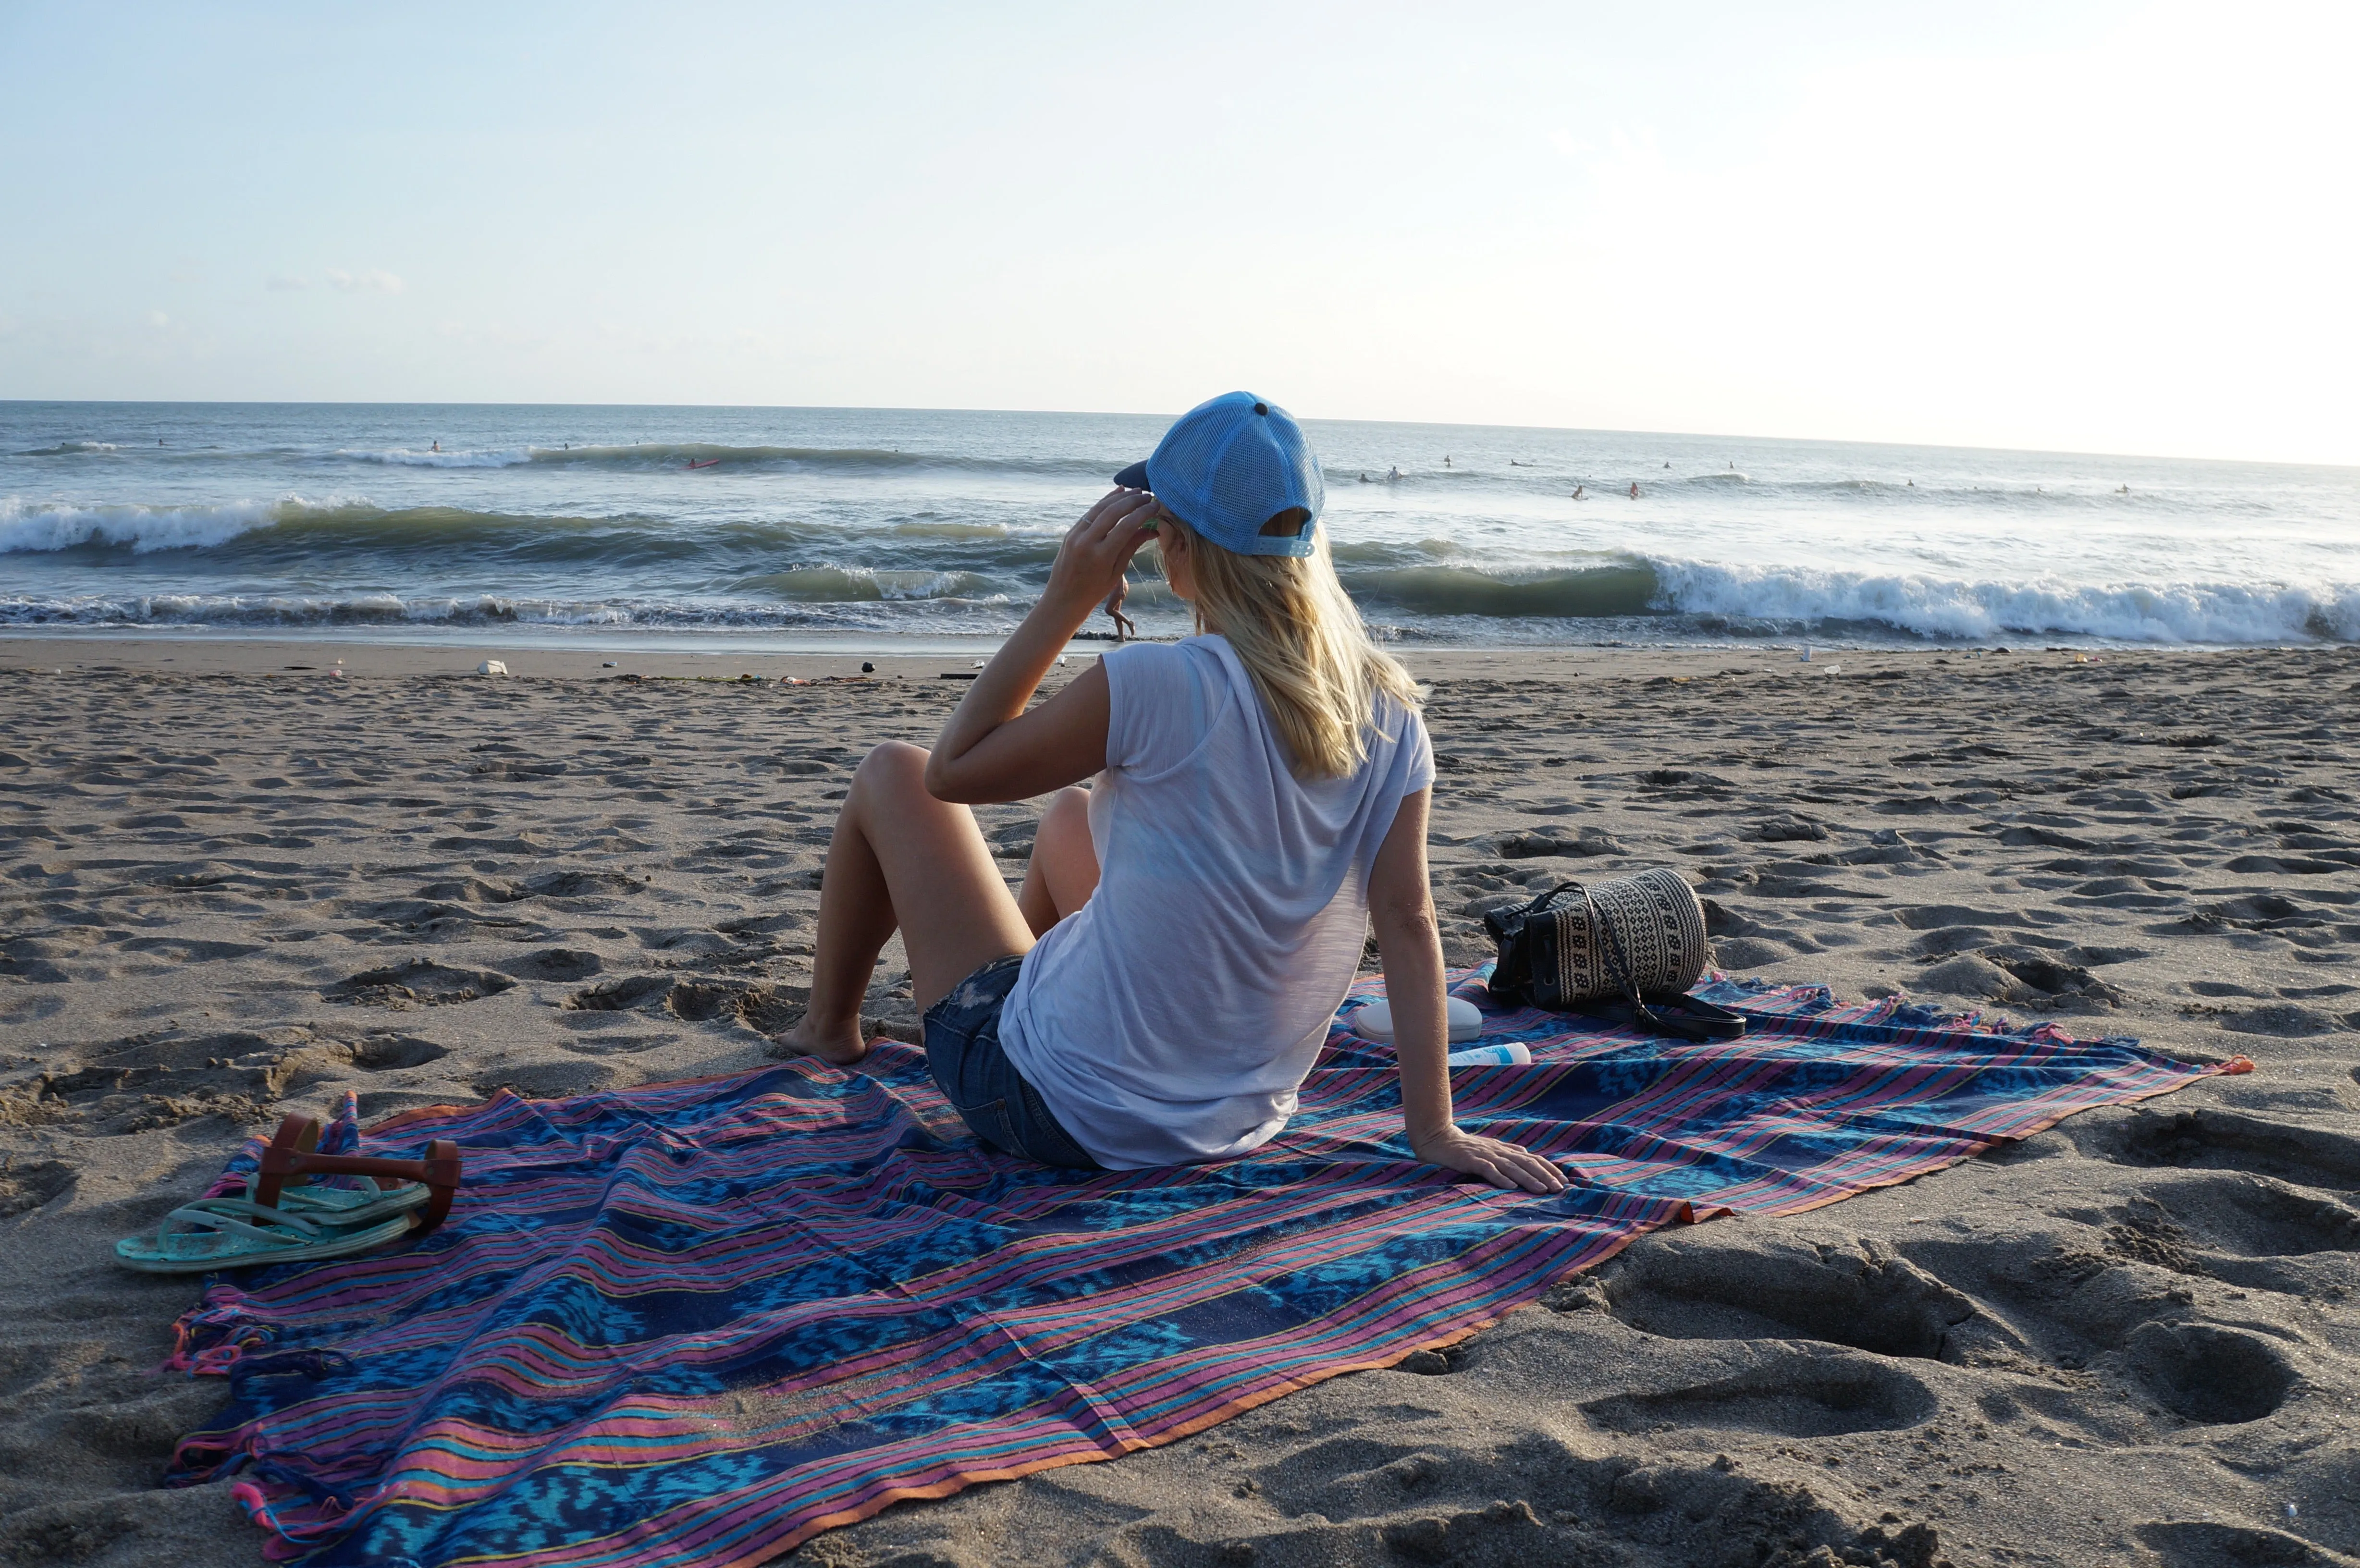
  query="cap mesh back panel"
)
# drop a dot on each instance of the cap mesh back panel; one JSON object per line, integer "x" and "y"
{"x": 1193, "y": 449}
{"x": 1251, "y": 482}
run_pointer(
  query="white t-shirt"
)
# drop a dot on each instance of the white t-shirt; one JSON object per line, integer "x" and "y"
{"x": 1172, "y": 1017}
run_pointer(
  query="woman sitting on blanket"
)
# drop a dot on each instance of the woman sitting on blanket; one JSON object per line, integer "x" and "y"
{"x": 1159, "y": 989}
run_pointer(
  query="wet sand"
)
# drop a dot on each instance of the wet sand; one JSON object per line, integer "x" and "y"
{"x": 233, "y": 882}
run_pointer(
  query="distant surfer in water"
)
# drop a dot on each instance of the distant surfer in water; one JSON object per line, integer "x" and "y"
{"x": 1577, "y": 492}
{"x": 1634, "y": 489}
{"x": 436, "y": 447}
{"x": 1393, "y": 475}
{"x": 1446, "y": 460}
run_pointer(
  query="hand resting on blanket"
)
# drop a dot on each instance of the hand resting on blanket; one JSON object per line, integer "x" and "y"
{"x": 1401, "y": 908}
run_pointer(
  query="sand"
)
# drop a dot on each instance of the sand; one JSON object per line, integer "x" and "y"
{"x": 232, "y": 883}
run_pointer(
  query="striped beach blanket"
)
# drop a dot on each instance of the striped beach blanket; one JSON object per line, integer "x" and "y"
{"x": 696, "y": 1323}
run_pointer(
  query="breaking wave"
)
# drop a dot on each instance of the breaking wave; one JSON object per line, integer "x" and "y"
{"x": 404, "y": 457}
{"x": 461, "y": 612}
{"x": 1586, "y": 592}
{"x": 1935, "y": 608}
{"x": 48, "y": 525}
{"x": 685, "y": 455}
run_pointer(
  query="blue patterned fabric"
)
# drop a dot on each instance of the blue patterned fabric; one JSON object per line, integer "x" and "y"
{"x": 697, "y": 1324}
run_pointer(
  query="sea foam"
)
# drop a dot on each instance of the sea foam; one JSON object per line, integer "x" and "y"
{"x": 1931, "y": 606}
{"x": 45, "y": 526}
{"x": 405, "y": 457}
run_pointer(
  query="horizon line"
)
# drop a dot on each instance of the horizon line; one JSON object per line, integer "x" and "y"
{"x": 1123, "y": 413}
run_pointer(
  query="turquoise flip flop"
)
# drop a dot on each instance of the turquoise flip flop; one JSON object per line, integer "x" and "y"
{"x": 348, "y": 1206}
{"x": 286, "y": 1216}
{"x": 234, "y": 1233}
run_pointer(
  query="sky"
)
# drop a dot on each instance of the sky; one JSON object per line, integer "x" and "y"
{"x": 2103, "y": 227}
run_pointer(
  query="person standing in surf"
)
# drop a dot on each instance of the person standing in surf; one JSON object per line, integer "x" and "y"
{"x": 1187, "y": 926}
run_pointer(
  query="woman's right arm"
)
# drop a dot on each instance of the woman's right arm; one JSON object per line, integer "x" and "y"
{"x": 992, "y": 749}
{"x": 1401, "y": 907}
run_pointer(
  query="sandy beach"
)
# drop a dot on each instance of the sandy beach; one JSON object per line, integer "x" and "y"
{"x": 239, "y": 878}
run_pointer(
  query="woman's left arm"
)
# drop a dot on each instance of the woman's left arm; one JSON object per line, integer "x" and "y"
{"x": 1401, "y": 907}
{"x": 994, "y": 750}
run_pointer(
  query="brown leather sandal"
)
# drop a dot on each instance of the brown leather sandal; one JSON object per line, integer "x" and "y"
{"x": 293, "y": 1159}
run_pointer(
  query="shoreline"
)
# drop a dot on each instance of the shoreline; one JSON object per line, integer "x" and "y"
{"x": 928, "y": 658}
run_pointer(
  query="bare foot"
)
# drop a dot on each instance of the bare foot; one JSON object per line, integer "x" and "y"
{"x": 843, "y": 1046}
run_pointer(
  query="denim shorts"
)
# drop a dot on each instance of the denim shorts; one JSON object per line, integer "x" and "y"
{"x": 964, "y": 1055}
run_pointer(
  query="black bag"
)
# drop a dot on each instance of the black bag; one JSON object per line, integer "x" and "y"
{"x": 1624, "y": 950}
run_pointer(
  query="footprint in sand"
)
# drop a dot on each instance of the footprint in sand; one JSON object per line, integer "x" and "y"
{"x": 26, "y": 1185}
{"x": 421, "y": 983}
{"x": 2212, "y": 1377}
{"x": 161, "y": 1080}
{"x": 1792, "y": 1396}
{"x": 1785, "y": 1289}
{"x": 2306, "y": 1156}
{"x": 559, "y": 963}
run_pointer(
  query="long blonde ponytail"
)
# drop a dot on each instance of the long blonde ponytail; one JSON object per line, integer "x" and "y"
{"x": 1301, "y": 638}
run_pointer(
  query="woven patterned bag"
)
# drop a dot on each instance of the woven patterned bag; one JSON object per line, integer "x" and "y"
{"x": 1632, "y": 945}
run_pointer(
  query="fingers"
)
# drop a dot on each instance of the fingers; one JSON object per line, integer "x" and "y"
{"x": 1115, "y": 521}
{"x": 1533, "y": 1174}
{"x": 1111, "y": 508}
{"x": 1537, "y": 1175}
{"x": 1128, "y": 542}
{"x": 1098, "y": 547}
{"x": 1098, "y": 518}
{"x": 1507, "y": 1167}
{"x": 1098, "y": 507}
{"x": 1121, "y": 520}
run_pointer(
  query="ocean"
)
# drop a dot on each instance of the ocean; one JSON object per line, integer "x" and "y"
{"x": 795, "y": 529}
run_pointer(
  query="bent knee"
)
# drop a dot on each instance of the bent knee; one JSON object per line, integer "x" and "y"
{"x": 892, "y": 764}
{"x": 895, "y": 756}
{"x": 1068, "y": 807}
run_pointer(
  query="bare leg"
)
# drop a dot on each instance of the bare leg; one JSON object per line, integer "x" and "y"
{"x": 901, "y": 858}
{"x": 1063, "y": 871}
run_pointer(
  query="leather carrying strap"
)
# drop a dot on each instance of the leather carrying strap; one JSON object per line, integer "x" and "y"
{"x": 1684, "y": 1017}
{"x": 293, "y": 1158}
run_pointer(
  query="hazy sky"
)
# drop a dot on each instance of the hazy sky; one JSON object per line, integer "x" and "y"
{"x": 2115, "y": 227}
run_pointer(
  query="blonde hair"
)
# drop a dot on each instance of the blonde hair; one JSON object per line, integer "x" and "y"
{"x": 1301, "y": 638}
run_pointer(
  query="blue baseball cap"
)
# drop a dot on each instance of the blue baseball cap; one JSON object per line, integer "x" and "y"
{"x": 1237, "y": 471}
